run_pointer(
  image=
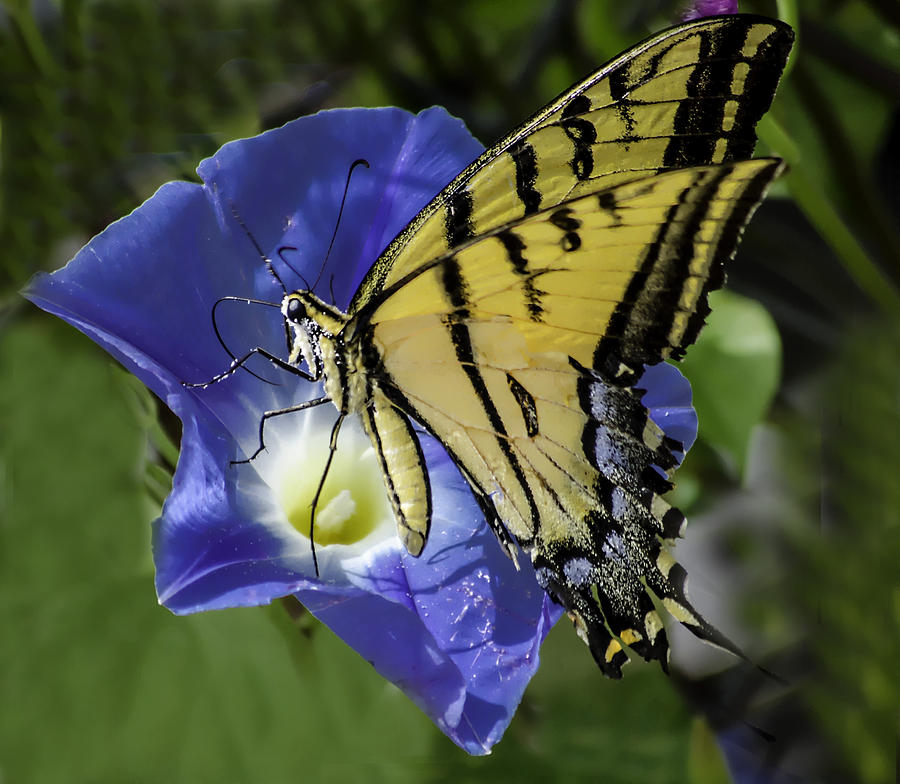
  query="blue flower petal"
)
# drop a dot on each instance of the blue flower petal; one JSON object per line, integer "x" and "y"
{"x": 131, "y": 289}
{"x": 668, "y": 398}
{"x": 413, "y": 662}
{"x": 490, "y": 617}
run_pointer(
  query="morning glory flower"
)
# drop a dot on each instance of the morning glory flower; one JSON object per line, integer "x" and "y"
{"x": 458, "y": 629}
{"x": 700, "y": 8}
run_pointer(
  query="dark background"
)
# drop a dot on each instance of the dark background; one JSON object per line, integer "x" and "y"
{"x": 793, "y": 491}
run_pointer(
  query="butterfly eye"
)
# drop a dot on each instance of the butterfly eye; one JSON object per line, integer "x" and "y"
{"x": 295, "y": 310}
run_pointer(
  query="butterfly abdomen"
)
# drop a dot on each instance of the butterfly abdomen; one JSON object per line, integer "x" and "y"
{"x": 402, "y": 467}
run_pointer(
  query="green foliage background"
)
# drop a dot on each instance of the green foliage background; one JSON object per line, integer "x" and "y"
{"x": 793, "y": 490}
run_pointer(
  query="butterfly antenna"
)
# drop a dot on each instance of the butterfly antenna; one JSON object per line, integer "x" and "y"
{"x": 271, "y": 267}
{"x": 266, "y": 260}
{"x": 357, "y": 162}
{"x": 221, "y": 340}
{"x": 287, "y": 264}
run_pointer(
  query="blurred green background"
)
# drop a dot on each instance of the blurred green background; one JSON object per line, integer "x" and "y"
{"x": 793, "y": 491}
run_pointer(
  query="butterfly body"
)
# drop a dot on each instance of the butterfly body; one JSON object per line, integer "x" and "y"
{"x": 514, "y": 316}
{"x": 354, "y": 381}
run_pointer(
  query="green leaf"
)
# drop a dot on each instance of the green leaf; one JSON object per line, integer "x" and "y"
{"x": 734, "y": 370}
{"x": 706, "y": 763}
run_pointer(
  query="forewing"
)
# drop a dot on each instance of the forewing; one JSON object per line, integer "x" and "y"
{"x": 689, "y": 96}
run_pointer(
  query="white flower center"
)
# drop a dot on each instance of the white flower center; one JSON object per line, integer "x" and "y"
{"x": 352, "y": 506}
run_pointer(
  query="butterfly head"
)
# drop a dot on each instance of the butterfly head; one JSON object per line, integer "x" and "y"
{"x": 312, "y": 321}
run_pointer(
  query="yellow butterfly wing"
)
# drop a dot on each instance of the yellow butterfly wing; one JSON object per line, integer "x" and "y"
{"x": 514, "y": 314}
{"x": 517, "y": 351}
{"x": 689, "y": 96}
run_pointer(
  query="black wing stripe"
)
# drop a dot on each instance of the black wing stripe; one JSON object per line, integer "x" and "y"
{"x": 641, "y": 326}
{"x": 579, "y": 104}
{"x": 526, "y": 404}
{"x": 675, "y": 274}
{"x": 455, "y": 288}
{"x": 696, "y": 123}
{"x": 462, "y": 343}
{"x": 569, "y": 226}
{"x": 458, "y": 225}
{"x": 526, "y": 165}
{"x": 726, "y": 246}
{"x": 583, "y": 135}
{"x": 759, "y": 89}
{"x": 515, "y": 247}
{"x": 604, "y": 355}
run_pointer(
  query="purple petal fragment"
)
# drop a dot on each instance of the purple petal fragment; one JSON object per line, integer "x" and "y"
{"x": 701, "y": 8}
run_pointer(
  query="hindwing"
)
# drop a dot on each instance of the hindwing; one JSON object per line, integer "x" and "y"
{"x": 510, "y": 349}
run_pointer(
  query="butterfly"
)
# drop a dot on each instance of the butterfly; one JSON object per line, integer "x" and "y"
{"x": 512, "y": 318}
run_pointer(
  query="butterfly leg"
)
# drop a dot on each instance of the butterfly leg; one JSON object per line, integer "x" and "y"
{"x": 332, "y": 448}
{"x": 239, "y": 362}
{"x": 267, "y": 415}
